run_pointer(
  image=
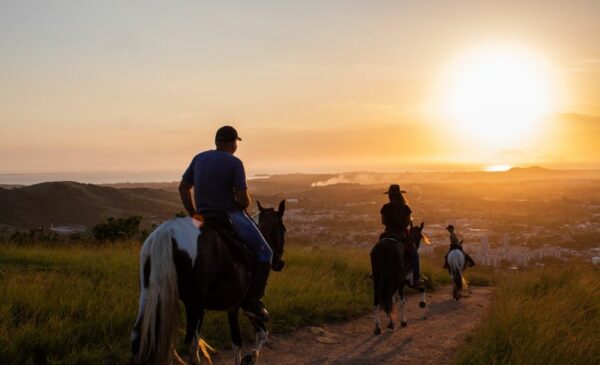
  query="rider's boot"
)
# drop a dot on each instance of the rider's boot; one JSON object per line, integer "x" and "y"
{"x": 253, "y": 305}
{"x": 446, "y": 261}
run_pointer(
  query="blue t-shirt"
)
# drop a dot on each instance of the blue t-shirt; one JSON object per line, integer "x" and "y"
{"x": 215, "y": 175}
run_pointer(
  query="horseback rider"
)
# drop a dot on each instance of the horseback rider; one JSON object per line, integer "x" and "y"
{"x": 219, "y": 182}
{"x": 455, "y": 244}
{"x": 396, "y": 217}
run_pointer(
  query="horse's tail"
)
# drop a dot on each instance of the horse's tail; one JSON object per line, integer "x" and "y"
{"x": 381, "y": 279}
{"x": 386, "y": 292}
{"x": 457, "y": 277}
{"x": 161, "y": 315}
{"x": 456, "y": 267}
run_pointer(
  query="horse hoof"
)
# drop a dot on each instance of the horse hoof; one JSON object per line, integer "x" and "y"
{"x": 403, "y": 323}
{"x": 248, "y": 360}
{"x": 390, "y": 325}
{"x": 377, "y": 331}
{"x": 422, "y": 304}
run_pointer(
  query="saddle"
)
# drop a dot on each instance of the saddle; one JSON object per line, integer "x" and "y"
{"x": 401, "y": 239}
{"x": 220, "y": 223}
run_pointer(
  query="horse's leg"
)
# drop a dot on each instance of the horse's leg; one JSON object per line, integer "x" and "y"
{"x": 377, "y": 322}
{"x": 261, "y": 338}
{"x": 423, "y": 302}
{"x": 236, "y": 336}
{"x": 391, "y": 316}
{"x": 194, "y": 313}
{"x": 391, "y": 320}
{"x": 403, "y": 321}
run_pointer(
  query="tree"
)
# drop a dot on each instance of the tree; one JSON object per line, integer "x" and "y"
{"x": 116, "y": 229}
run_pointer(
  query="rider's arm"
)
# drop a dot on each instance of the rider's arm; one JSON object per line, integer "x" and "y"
{"x": 242, "y": 198}
{"x": 240, "y": 188}
{"x": 185, "y": 191}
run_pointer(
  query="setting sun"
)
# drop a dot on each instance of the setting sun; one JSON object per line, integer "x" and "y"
{"x": 497, "y": 95}
{"x": 497, "y": 168}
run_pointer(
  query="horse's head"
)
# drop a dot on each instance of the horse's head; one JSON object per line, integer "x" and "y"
{"x": 270, "y": 223}
{"x": 416, "y": 233}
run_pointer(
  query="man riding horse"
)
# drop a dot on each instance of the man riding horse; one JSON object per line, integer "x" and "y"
{"x": 219, "y": 182}
{"x": 455, "y": 244}
{"x": 396, "y": 216}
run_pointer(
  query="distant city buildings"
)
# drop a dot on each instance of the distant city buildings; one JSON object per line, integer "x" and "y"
{"x": 518, "y": 245}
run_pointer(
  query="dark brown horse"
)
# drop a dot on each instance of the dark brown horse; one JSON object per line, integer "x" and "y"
{"x": 181, "y": 262}
{"x": 390, "y": 268}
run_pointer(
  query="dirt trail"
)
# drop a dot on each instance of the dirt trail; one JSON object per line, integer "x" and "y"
{"x": 433, "y": 340}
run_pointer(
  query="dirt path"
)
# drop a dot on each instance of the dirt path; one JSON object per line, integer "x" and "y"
{"x": 430, "y": 340}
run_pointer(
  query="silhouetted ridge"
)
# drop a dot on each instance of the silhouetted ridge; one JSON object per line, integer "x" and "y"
{"x": 70, "y": 202}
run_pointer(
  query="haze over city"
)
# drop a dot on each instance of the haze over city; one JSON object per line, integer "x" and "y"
{"x": 139, "y": 88}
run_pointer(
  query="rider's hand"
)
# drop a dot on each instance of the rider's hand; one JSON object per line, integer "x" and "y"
{"x": 198, "y": 217}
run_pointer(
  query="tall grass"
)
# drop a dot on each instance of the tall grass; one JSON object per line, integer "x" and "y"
{"x": 77, "y": 304}
{"x": 66, "y": 305}
{"x": 547, "y": 316}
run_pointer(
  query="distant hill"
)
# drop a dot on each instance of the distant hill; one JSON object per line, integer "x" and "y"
{"x": 73, "y": 203}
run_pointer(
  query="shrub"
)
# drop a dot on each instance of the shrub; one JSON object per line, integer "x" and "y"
{"x": 117, "y": 229}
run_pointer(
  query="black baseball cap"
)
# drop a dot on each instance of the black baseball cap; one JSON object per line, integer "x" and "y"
{"x": 227, "y": 134}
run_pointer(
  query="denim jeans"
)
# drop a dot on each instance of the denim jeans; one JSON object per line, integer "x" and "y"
{"x": 247, "y": 231}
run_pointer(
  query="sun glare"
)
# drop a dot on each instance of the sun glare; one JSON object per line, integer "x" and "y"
{"x": 497, "y": 168}
{"x": 497, "y": 95}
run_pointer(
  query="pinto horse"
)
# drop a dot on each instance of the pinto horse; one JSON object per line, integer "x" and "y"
{"x": 456, "y": 264}
{"x": 182, "y": 260}
{"x": 391, "y": 271}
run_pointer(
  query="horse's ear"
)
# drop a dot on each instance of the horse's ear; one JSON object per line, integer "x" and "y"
{"x": 422, "y": 224}
{"x": 281, "y": 209}
{"x": 259, "y": 206}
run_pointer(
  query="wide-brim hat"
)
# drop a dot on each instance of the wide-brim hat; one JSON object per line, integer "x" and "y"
{"x": 450, "y": 227}
{"x": 394, "y": 189}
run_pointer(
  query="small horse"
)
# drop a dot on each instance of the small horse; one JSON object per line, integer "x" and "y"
{"x": 390, "y": 274}
{"x": 179, "y": 261}
{"x": 456, "y": 264}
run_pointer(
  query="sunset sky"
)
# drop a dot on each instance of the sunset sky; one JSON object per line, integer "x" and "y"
{"x": 310, "y": 85}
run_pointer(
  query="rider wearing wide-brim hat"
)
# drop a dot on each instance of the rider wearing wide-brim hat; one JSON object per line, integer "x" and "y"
{"x": 396, "y": 217}
{"x": 456, "y": 244}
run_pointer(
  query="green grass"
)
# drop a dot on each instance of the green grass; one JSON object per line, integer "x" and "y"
{"x": 546, "y": 316}
{"x": 76, "y": 304}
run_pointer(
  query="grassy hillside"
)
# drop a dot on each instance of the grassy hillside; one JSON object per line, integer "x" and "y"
{"x": 77, "y": 304}
{"x": 69, "y": 202}
{"x": 547, "y": 316}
